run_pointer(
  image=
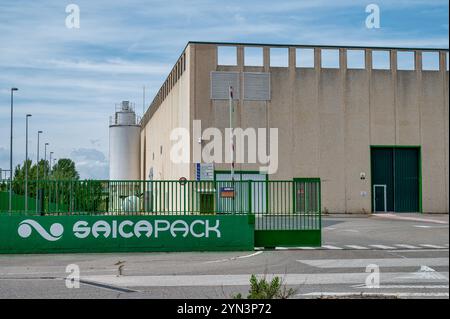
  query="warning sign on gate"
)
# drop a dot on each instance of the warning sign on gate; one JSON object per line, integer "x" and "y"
{"x": 227, "y": 192}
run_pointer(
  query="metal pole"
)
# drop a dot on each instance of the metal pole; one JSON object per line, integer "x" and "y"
{"x": 26, "y": 163}
{"x": 37, "y": 173}
{"x": 45, "y": 160}
{"x": 231, "y": 131}
{"x": 11, "y": 151}
{"x": 50, "y": 164}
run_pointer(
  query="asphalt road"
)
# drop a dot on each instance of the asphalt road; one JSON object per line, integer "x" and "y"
{"x": 411, "y": 253}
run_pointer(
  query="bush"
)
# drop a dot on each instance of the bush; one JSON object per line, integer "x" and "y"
{"x": 262, "y": 289}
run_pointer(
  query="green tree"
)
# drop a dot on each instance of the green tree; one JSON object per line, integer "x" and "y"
{"x": 64, "y": 169}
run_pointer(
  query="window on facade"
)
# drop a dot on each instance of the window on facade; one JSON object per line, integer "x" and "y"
{"x": 381, "y": 60}
{"x": 356, "y": 59}
{"x": 305, "y": 58}
{"x": 253, "y": 56}
{"x": 430, "y": 61}
{"x": 330, "y": 58}
{"x": 226, "y": 55}
{"x": 279, "y": 57}
{"x": 405, "y": 60}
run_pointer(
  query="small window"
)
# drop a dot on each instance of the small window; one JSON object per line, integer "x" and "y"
{"x": 405, "y": 61}
{"x": 279, "y": 57}
{"x": 226, "y": 55}
{"x": 153, "y": 155}
{"x": 160, "y": 149}
{"x": 356, "y": 59}
{"x": 305, "y": 58}
{"x": 253, "y": 56}
{"x": 381, "y": 60}
{"x": 430, "y": 61}
{"x": 330, "y": 58}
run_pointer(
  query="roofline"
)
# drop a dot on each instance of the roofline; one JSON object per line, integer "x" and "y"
{"x": 313, "y": 46}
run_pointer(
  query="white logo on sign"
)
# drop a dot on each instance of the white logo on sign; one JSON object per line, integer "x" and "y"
{"x": 25, "y": 229}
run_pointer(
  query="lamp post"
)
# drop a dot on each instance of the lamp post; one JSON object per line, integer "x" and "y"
{"x": 45, "y": 160}
{"x": 37, "y": 173}
{"x": 50, "y": 165}
{"x": 11, "y": 149}
{"x": 26, "y": 162}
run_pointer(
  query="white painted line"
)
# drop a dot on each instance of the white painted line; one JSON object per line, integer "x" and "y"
{"x": 414, "y": 250}
{"x": 407, "y": 246}
{"x": 382, "y": 247}
{"x": 432, "y": 246}
{"x": 356, "y": 247}
{"x": 381, "y": 262}
{"x": 404, "y": 287}
{"x": 251, "y": 255}
{"x": 233, "y": 258}
{"x": 281, "y": 248}
{"x": 374, "y": 294}
{"x": 423, "y": 220}
{"x": 243, "y": 279}
{"x": 331, "y": 247}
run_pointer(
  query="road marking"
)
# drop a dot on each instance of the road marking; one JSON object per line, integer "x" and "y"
{"x": 432, "y": 246}
{"x": 234, "y": 258}
{"x": 424, "y": 220}
{"x": 381, "y": 262}
{"x": 404, "y": 287}
{"x": 382, "y": 246}
{"x": 243, "y": 279}
{"x": 356, "y": 247}
{"x": 375, "y": 294}
{"x": 331, "y": 247}
{"x": 407, "y": 246}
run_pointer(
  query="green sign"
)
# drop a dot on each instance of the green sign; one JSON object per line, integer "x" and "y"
{"x": 65, "y": 234}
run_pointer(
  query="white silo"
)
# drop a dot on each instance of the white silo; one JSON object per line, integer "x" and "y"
{"x": 124, "y": 148}
{"x": 124, "y": 136}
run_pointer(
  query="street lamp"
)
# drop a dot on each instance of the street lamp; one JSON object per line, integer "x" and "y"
{"x": 37, "y": 172}
{"x": 26, "y": 162}
{"x": 11, "y": 150}
{"x": 51, "y": 153}
{"x": 45, "y": 160}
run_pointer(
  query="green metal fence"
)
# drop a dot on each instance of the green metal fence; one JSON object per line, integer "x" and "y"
{"x": 277, "y": 205}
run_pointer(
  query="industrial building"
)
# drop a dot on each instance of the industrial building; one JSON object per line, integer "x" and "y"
{"x": 371, "y": 123}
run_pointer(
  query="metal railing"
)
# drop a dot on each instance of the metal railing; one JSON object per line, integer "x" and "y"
{"x": 275, "y": 204}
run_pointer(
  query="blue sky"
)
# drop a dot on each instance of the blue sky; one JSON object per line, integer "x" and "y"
{"x": 70, "y": 79}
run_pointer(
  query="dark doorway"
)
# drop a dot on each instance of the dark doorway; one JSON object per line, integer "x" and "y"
{"x": 395, "y": 179}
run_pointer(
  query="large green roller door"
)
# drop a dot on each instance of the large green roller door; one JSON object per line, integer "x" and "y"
{"x": 406, "y": 168}
{"x": 395, "y": 179}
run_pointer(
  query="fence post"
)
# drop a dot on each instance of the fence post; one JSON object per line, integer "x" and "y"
{"x": 249, "y": 196}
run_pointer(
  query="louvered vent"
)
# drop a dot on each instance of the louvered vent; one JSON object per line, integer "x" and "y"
{"x": 256, "y": 86}
{"x": 220, "y": 83}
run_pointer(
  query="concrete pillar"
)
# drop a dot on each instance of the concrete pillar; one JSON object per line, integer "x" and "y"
{"x": 368, "y": 59}
{"x": 292, "y": 59}
{"x": 266, "y": 59}
{"x": 240, "y": 56}
{"x": 317, "y": 59}
{"x": 442, "y": 61}
{"x": 393, "y": 61}
{"x": 343, "y": 59}
{"x": 418, "y": 61}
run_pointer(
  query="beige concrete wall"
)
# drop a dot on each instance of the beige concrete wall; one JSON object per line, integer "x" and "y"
{"x": 173, "y": 112}
{"x": 327, "y": 121}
